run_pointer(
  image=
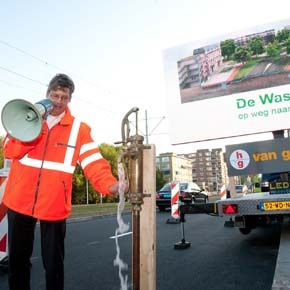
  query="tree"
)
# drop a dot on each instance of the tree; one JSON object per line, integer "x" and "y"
{"x": 282, "y": 35}
{"x": 79, "y": 186}
{"x": 160, "y": 179}
{"x": 228, "y": 48}
{"x": 80, "y": 183}
{"x": 110, "y": 153}
{"x": 256, "y": 46}
{"x": 242, "y": 54}
{"x": 287, "y": 43}
{"x": 273, "y": 49}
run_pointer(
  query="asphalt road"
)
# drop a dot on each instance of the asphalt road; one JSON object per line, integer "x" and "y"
{"x": 219, "y": 258}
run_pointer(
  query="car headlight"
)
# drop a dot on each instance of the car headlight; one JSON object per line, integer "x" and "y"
{"x": 265, "y": 184}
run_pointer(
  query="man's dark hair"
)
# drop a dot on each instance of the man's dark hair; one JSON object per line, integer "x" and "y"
{"x": 61, "y": 81}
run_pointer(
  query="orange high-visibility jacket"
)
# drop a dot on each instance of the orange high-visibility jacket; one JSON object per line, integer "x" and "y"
{"x": 40, "y": 178}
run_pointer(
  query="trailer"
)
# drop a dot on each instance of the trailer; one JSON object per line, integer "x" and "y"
{"x": 254, "y": 209}
{"x": 271, "y": 158}
{"x": 245, "y": 213}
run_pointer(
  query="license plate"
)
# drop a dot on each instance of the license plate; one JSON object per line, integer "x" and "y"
{"x": 167, "y": 195}
{"x": 275, "y": 205}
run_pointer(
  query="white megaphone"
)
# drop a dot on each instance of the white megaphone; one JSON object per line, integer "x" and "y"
{"x": 23, "y": 120}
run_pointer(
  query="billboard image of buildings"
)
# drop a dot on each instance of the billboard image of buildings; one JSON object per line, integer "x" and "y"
{"x": 248, "y": 62}
{"x": 229, "y": 86}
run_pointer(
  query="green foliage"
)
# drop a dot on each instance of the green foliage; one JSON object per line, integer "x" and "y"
{"x": 287, "y": 43}
{"x": 246, "y": 68}
{"x": 81, "y": 186}
{"x": 160, "y": 179}
{"x": 273, "y": 49}
{"x": 110, "y": 153}
{"x": 242, "y": 54}
{"x": 283, "y": 35}
{"x": 256, "y": 46}
{"x": 227, "y": 48}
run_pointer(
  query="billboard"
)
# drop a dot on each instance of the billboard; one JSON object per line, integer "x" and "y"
{"x": 258, "y": 157}
{"x": 232, "y": 85}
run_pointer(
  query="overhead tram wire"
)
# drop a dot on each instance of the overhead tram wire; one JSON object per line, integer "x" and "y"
{"x": 18, "y": 86}
{"x": 43, "y": 84}
{"x": 66, "y": 71}
{"x": 22, "y": 76}
{"x": 49, "y": 64}
{"x": 55, "y": 67}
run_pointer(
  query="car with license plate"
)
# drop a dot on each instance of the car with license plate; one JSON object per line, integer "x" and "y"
{"x": 188, "y": 192}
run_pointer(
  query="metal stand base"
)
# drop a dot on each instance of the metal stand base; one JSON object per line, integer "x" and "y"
{"x": 229, "y": 224}
{"x": 4, "y": 266}
{"x": 182, "y": 245}
{"x": 172, "y": 220}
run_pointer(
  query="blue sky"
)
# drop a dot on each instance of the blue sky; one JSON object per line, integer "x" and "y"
{"x": 113, "y": 51}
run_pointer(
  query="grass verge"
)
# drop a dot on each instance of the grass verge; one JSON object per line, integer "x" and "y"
{"x": 85, "y": 210}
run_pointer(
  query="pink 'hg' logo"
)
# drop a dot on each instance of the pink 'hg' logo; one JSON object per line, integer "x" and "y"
{"x": 239, "y": 159}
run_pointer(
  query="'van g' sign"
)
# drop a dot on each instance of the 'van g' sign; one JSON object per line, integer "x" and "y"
{"x": 258, "y": 157}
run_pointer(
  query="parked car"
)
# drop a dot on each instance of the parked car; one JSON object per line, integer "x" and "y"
{"x": 272, "y": 178}
{"x": 189, "y": 192}
{"x": 240, "y": 190}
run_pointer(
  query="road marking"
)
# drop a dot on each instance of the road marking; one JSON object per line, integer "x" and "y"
{"x": 268, "y": 65}
{"x": 93, "y": 243}
{"x": 125, "y": 234}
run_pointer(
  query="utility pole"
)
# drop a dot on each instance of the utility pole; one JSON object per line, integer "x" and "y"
{"x": 146, "y": 127}
{"x": 87, "y": 190}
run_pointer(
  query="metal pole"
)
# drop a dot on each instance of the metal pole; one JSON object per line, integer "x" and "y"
{"x": 146, "y": 127}
{"x": 87, "y": 188}
{"x": 136, "y": 189}
{"x": 133, "y": 156}
{"x": 136, "y": 251}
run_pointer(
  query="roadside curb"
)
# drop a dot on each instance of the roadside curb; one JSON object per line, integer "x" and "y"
{"x": 281, "y": 279}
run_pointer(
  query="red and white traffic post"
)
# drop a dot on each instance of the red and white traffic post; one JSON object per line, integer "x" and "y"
{"x": 223, "y": 192}
{"x": 175, "y": 200}
{"x": 3, "y": 217}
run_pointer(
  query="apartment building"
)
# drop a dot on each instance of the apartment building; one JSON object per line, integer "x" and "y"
{"x": 195, "y": 69}
{"x": 267, "y": 36}
{"x": 205, "y": 167}
{"x": 209, "y": 169}
{"x": 174, "y": 167}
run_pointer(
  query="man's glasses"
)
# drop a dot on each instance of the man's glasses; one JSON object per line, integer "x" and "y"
{"x": 57, "y": 98}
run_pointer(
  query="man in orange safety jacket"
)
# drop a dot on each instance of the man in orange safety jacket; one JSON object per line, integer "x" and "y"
{"x": 39, "y": 186}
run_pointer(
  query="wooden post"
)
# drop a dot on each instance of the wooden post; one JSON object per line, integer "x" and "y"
{"x": 148, "y": 223}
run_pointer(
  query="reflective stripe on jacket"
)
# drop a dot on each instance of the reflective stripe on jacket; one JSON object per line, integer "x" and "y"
{"x": 40, "y": 178}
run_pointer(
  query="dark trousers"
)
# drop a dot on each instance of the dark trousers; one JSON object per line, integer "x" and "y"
{"x": 20, "y": 245}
